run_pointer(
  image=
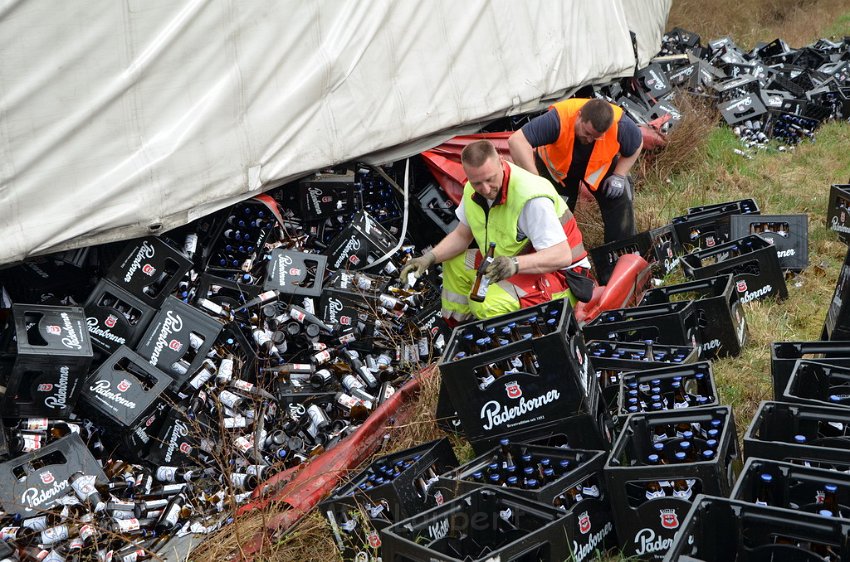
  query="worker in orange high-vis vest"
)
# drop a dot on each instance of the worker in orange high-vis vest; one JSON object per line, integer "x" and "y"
{"x": 585, "y": 142}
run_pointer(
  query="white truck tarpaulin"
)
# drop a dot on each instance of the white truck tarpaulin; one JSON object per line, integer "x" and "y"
{"x": 123, "y": 118}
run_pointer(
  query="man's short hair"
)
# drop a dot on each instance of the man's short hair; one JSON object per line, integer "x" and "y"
{"x": 599, "y": 113}
{"x": 476, "y": 153}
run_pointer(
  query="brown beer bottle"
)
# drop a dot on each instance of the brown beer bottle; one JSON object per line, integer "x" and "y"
{"x": 482, "y": 282}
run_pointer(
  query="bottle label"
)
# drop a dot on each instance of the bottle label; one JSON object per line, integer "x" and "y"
{"x": 166, "y": 473}
{"x": 34, "y": 424}
{"x": 243, "y": 385}
{"x": 651, "y": 495}
{"x": 225, "y": 368}
{"x": 84, "y": 486}
{"x": 483, "y": 286}
{"x": 229, "y": 399}
{"x": 54, "y": 534}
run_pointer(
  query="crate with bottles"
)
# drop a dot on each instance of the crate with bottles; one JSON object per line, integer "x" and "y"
{"x": 784, "y": 356}
{"x": 836, "y": 325}
{"x": 722, "y": 322}
{"x": 149, "y": 269}
{"x": 817, "y": 383}
{"x": 482, "y": 525}
{"x": 38, "y": 480}
{"x": 519, "y": 370}
{"x": 708, "y": 226}
{"x": 751, "y": 259}
{"x": 178, "y": 339}
{"x": 658, "y": 465}
{"x": 818, "y": 435}
{"x": 785, "y": 485}
{"x": 233, "y": 241}
{"x": 675, "y": 323}
{"x": 677, "y": 387}
{"x": 615, "y": 356}
{"x": 789, "y": 235}
{"x": 390, "y": 489}
{"x": 721, "y": 529}
{"x": 569, "y": 479}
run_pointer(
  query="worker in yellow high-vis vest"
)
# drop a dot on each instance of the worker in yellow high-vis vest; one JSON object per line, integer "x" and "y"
{"x": 538, "y": 243}
{"x": 585, "y": 142}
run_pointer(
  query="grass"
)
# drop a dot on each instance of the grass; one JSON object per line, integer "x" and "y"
{"x": 698, "y": 166}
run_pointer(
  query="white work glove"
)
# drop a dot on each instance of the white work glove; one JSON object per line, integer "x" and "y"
{"x": 614, "y": 186}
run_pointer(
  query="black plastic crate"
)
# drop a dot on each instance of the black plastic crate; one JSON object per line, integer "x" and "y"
{"x": 392, "y": 488}
{"x": 232, "y": 239}
{"x": 126, "y": 396}
{"x": 327, "y": 195}
{"x": 695, "y": 380}
{"x": 743, "y": 107}
{"x": 605, "y": 257}
{"x": 653, "y": 81}
{"x": 794, "y": 487}
{"x": 346, "y": 306}
{"x": 736, "y": 87}
{"x": 720, "y": 529}
{"x": 629, "y": 356}
{"x": 799, "y": 433}
{"x": 675, "y": 323}
{"x": 46, "y": 355}
{"x": 753, "y": 262}
{"x": 784, "y": 356}
{"x": 580, "y": 431}
{"x": 44, "y": 281}
{"x": 114, "y": 318}
{"x": 836, "y": 325}
{"x": 295, "y": 273}
{"x": 656, "y": 246}
{"x": 789, "y": 234}
{"x": 178, "y": 339}
{"x": 540, "y": 373}
{"x": 722, "y": 321}
{"x": 484, "y": 524}
{"x": 360, "y": 244}
{"x": 818, "y": 384}
{"x": 225, "y": 291}
{"x": 437, "y": 206}
{"x": 577, "y": 487}
{"x": 708, "y": 225}
{"x": 35, "y": 482}
{"x": 650, "y": 501}
{"x": 149, "y": 269}
{"x": 181, "y": 439}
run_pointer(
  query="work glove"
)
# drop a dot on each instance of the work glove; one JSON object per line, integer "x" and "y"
{"x": 501, "y": 268}
{"x": 417, "y": 266}
{"x": 614, "y": 186}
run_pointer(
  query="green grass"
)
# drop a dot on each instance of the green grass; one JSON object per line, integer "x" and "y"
{"x": 781, "y": 183}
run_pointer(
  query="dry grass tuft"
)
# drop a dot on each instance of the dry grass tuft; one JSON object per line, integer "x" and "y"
{"x": 686, "y": 142}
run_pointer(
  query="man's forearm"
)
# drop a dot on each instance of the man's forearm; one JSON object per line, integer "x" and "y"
{"x": 625, "y": 163}
{"x": 547, "y": 260}
{"x": 522, "y": 152}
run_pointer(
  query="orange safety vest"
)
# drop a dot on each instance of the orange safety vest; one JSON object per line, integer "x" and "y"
{"x": 558, "y": 155}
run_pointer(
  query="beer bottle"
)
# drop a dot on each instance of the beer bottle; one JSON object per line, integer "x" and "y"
{"x": 482, "y": 281}
{"x": 764, "y": 490}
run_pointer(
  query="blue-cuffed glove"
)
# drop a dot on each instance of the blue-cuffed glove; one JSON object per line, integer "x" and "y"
{"x": 614, "y": 186}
